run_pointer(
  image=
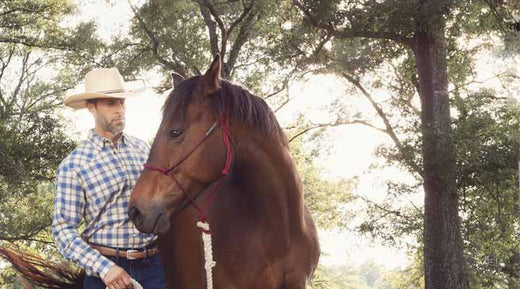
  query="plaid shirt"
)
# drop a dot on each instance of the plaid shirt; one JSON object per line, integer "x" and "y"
{"x": 93, "y": 184}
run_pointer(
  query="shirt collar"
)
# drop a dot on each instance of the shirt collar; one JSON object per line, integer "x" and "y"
{"x": 102, "y": 142}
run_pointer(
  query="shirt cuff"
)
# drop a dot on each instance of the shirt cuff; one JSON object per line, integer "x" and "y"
{"x": 105, "y": 265}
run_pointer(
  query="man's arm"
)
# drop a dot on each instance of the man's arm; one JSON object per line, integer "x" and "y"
{"x": 69, "y": 204}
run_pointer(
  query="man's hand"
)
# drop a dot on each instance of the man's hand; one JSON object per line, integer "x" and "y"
{"x": 117, "y": 278}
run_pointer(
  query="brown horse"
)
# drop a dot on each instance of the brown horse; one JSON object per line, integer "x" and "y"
{"x": 263, "y": 235}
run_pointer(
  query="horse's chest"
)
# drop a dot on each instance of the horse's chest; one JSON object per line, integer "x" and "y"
{"x": 241, "y": 262}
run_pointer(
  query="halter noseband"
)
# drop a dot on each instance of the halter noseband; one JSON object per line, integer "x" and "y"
{"x": 224, "y": 123}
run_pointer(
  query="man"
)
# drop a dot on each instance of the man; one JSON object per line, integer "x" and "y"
{"x": 93, "y": 185}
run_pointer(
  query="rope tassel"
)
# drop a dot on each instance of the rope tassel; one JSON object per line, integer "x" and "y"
{"x": 208, "y": 253}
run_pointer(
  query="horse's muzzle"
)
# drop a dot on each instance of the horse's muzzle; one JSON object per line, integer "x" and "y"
{"x": 155, "y": 221}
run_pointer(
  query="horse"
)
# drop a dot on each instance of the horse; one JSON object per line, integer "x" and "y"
{"x": 221, "y": 159}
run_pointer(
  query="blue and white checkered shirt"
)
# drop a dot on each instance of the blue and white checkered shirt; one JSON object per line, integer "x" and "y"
{"x": 93, "y": 184}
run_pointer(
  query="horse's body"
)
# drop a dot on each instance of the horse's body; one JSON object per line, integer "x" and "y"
{"x": 260, "y": 238}
{"x": 263, "y": 235}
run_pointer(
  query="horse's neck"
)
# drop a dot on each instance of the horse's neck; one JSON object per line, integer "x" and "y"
{"x": 269, "y": 180}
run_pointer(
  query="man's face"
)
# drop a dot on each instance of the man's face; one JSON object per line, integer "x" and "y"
{"x": 109, "y": 114}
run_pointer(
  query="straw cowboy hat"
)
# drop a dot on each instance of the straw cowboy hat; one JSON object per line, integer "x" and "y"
{"x": 101, "y": 83}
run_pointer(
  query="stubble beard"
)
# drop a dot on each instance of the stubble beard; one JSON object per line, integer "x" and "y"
{"x": 113, "y": 127}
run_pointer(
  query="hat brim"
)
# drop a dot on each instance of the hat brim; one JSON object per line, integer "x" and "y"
{"x": 79, "y": 101}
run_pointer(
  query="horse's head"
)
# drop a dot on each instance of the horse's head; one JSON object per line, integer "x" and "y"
{"x": 188, "y": 152}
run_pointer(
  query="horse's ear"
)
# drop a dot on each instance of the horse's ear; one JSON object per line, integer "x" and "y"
{"x": 212, "y": 75}
{"x": 176, "y": 79}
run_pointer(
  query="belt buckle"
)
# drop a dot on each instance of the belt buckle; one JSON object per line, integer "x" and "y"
{"x": 128, "y": 252}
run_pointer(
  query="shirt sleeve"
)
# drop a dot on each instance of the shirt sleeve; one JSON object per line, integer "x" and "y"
{"x": 69, "y": 204}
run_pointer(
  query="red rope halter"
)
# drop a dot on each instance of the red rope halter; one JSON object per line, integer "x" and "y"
{"x": 224, "y": 123}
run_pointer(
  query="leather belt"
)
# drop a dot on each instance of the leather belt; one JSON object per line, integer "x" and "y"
{"x": 128, "y": 254}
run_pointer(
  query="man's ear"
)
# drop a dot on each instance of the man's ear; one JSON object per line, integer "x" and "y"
{"x": 90, "y": 106}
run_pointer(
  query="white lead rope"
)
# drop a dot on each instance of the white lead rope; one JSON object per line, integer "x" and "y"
{"x": 208, "y": 253}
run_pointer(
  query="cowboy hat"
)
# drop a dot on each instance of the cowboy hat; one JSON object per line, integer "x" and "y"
{"x": 101, "y": 83}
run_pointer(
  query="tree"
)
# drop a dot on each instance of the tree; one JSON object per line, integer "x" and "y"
{"x": 488, "y": 144}
{"x": 183, "y": 36}
{"x": 422, "y": 31}
{"x": 421, "y": 35}
{"x": 485, "y": 132}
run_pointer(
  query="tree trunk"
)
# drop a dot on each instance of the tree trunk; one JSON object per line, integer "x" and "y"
{"x": 513, "y": 274}
{"x": 443, "y": 258}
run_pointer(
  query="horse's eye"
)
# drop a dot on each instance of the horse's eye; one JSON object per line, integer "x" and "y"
{"x": 174, "y": 133}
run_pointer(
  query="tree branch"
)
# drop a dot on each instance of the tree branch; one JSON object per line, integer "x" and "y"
{"x": 27, "y": 236}
{"x": 242, "y": 37}
{"x": 25, "y": 60}
{"x": 2, "y": 70}
{"x": 244, "y": 13}
{"x": 499, "y": 18}
{"x": 352, "y": 33}
{"x": 245, "y": 20}
{"x": 222, "y": 27}
{"x": 498, "y": 75}
{"x": 212, "y": 28}
{"x": 335, "y": 124}
{"x": 389, "y": 129}
{"x": 402, "y": 82}
{"x": 285, "y": 85}
{"x": 155, "y": 42}
{"x": 381, "y": 208}
{"x": 23, "y": 41}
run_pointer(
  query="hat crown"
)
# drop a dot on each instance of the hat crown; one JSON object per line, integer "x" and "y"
{"x": 104, "y": 80}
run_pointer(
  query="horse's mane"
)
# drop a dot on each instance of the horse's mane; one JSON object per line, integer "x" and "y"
{"x": 242, "y": 106}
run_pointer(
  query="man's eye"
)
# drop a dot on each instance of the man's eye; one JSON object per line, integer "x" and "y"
{"x": 174, "y": 133}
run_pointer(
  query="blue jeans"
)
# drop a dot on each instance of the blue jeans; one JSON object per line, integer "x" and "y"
{"x": 147, "y": 271}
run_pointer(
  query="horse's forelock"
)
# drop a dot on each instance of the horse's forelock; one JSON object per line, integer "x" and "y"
{"x": 178, "y": 99}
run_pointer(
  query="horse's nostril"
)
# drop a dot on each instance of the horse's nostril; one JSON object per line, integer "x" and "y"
{"x": 135, "y": 214}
